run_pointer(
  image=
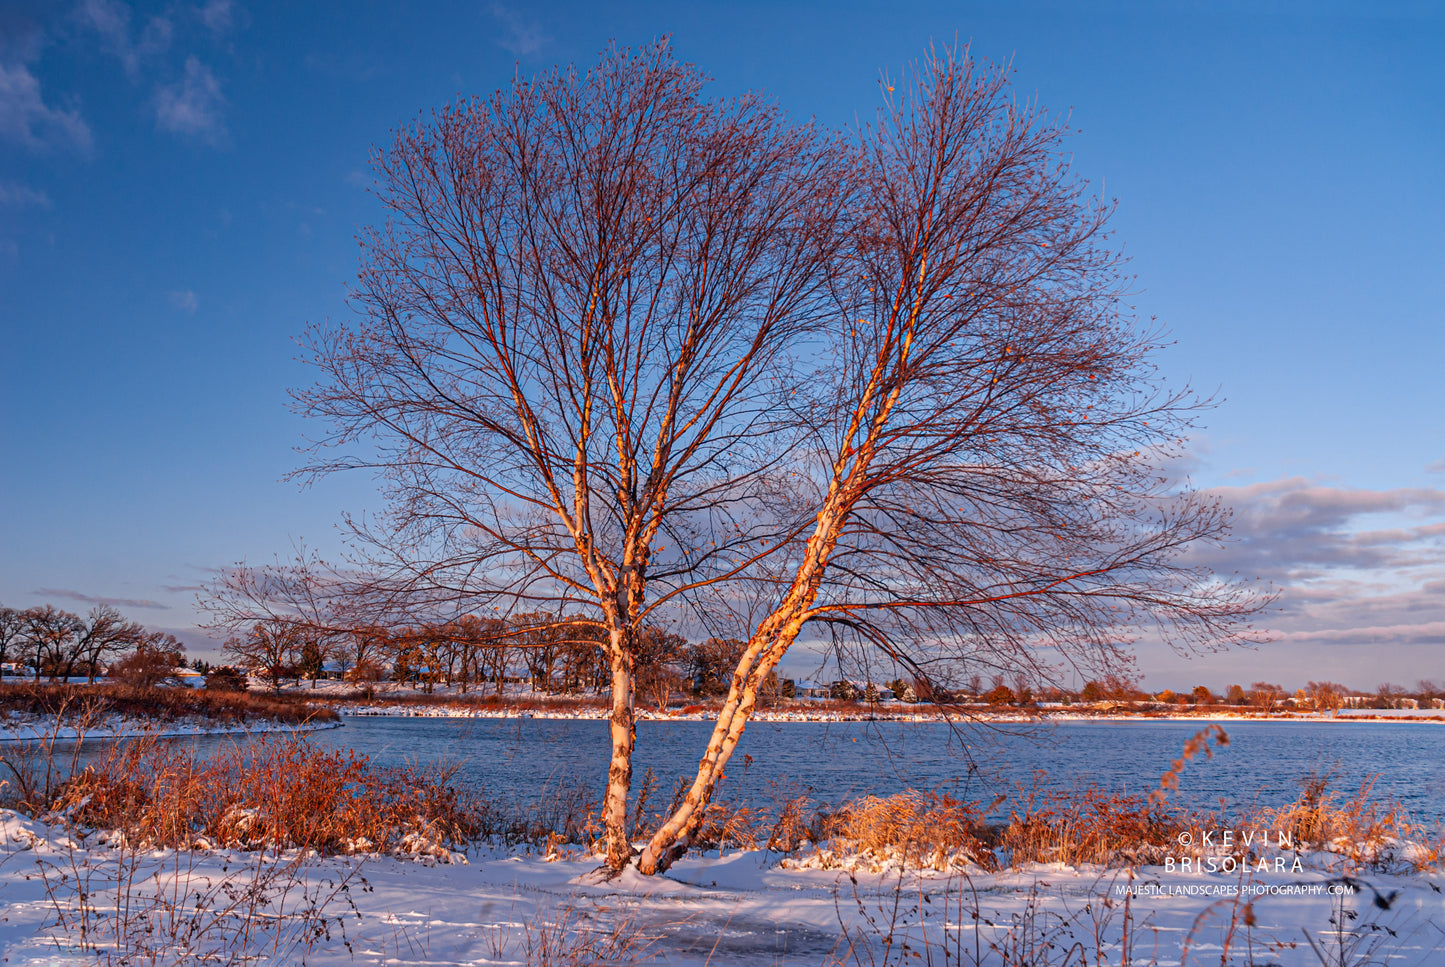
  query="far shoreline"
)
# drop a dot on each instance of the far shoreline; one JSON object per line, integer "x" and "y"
{"x": 446, "y": 709}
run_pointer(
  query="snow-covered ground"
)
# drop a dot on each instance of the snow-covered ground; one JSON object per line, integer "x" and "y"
{"x": 740, "y": 908}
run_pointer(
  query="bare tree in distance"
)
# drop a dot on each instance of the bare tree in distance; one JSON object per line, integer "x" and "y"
{"x": 12, "y": 627}
{"x": 50, "y": 636}
{"x": 268, "y": 649}
{"x": 105, "y": 632}
{"x": 153, "y": 660}
{"x": 624, "y": 353}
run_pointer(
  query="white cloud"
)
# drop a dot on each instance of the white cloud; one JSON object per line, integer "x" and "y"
{"x": 1297, "y": 529}
{"x": 217, "y": 15}
{"x": 27, "y": 119}
{"x": 1424, "y": 633}
{"x": 192, "y": 106}
{"x": 111, "y": 19}
{"x": 16, "y": 195}
{"x": 1360, "y": 572}
{"x": 520, "y": 36}
{"x": 185, "y": 300}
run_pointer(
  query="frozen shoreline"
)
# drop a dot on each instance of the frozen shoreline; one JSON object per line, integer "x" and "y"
{"x": 26, "y": 729}
{"x": 23, "y": 729}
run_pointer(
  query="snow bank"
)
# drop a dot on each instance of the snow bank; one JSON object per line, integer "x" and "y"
{"x": 736, "y": 908}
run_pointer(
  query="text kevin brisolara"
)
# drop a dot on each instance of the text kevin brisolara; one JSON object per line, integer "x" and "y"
{"x": 1213, "y": 851}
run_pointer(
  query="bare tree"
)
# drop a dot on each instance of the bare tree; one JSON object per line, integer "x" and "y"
{"x": 575, "y": 326}
{"x": 985, "y": 481}
{"x": 659, "y": 653}
{"x": 104, "y": 632}
{"x": 12, "y": 626}
{"x": 712, "y": 662}
{"x": 270, "y": 649}
{"x": 154, "y": 660}
{"x": 50, "y": 635}
{"x": 622, "y": 349}
{"x": 1266, "y": 696}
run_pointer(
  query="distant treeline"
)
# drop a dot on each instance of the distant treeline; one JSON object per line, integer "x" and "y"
{"x": 565, "y": 654}
{"x": 50, "y": 642}
{"x": 552, "y": 653}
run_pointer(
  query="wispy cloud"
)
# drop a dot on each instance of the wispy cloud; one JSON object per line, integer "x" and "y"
{"x": 185, "y": 301}
{"x": 1437, "y": 467}
{"x": 520, "y": 35}
{"x": 217, "y": 15}
{"x": 178, "y": 588}
{"x": 111, "y": 20}
{"x": 16, "y": 195}
{"x": 191, "y": 107}
{"x": 70, "y": 595}
{"x": 1425, "y": 633}
{"x": 25, "y": 118}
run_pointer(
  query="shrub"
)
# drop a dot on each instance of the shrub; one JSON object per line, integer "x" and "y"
{"x": 149, "y": 664}
{"x": 224, "y": 678}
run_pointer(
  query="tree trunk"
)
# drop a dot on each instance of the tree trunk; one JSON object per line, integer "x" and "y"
{"x": 619, "y": 774}
{"x": 672, "y": 840}
{"x": 769, "y": 643}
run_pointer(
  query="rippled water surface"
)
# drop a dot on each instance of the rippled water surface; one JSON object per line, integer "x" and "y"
{"x": 517, "y": 759}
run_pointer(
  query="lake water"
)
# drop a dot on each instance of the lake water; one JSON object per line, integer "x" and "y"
{"x": 516, "y": 759}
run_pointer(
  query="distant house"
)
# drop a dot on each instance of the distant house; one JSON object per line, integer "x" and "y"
{"x": 1407, "y": 703}
{"x": 1437, "y": 703}
{"x": 806, "y": 688}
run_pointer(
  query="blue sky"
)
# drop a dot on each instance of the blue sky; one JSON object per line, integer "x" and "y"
{"x": 181, "y": 185}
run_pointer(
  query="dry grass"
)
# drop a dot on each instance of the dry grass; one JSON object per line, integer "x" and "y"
{"x": 1367, "y": 833}
{"x": 928, "y": 831}
{"x": 156, "y": 704}
{"x": 932, "y": 831}
{"x": 919, "y": 830}
{"x": 1091, "y": 826}
{"x": 268, "y": 794}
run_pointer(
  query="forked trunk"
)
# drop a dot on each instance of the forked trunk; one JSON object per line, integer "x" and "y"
{"x": 672, "y": 839}
{"x": 769, "y": 643}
